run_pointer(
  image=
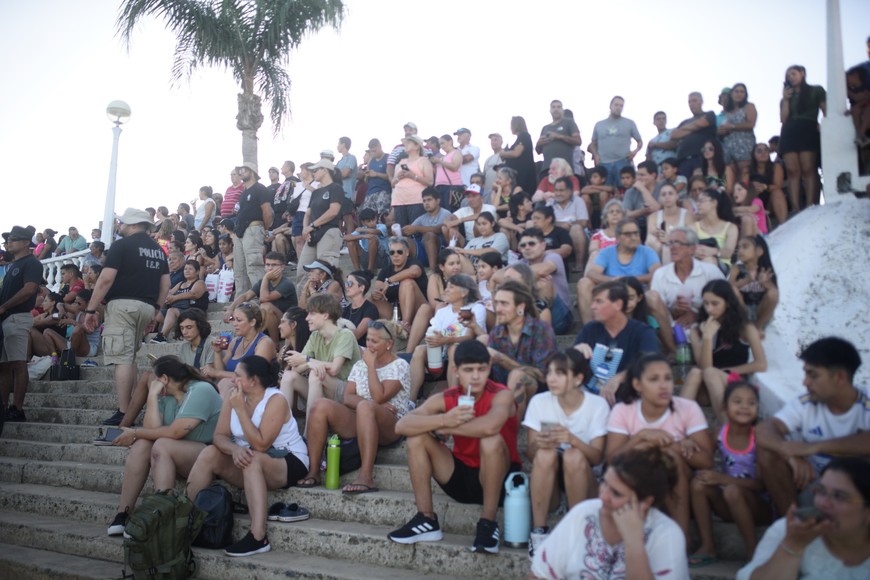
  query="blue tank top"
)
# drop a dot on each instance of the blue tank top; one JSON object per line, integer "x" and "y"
{"x": 233, "y": 362}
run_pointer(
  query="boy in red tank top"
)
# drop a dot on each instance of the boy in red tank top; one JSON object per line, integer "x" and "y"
{"x": 484, "y": 449}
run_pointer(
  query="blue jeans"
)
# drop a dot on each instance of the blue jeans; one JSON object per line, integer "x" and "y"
{"x": 613, "y": 171}
{"x": 563, "y": 319}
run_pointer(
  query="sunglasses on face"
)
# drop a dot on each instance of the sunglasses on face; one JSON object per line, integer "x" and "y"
{"x": 397, "y": 252}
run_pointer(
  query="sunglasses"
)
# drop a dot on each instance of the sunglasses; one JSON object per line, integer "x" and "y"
{"x": 378, "y": 325}
{"x": 397, "y": 252}
{"x": 608, "y": 356}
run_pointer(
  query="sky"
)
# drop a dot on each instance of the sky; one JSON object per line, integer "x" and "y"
{"x": 442, "y": 65}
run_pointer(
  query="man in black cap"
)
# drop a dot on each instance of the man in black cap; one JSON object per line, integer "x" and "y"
{"x": 134, "y": 282}
{"x": 17, "y": 299}
{"x": 254, "y": 218}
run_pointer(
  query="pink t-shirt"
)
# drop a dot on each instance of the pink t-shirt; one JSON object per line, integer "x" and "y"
{"x": 604, "y": 241}
{"x": 685, "y": 419}
{"x": 760, "y": 218}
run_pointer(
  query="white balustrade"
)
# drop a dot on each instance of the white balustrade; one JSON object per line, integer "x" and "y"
{"x": 51, "y": 267}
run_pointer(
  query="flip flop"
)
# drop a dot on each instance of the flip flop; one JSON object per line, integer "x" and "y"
{"x": 363, "y": 488}
{"x": 308, "y": 482}
{"x": 293, "y": 513}
{"x": 701, "y": 560}
{"x": 275, "y": 509}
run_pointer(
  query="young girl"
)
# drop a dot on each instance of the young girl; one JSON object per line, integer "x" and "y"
{"x": 750, "y": 210}
{"x": 721, "y": 343}
{"x": 566, "y": 429}
{"x": 520, "y": 217}
{"x": 754, "y": 280}
{"x": 489, "y": 241}
{"x": 671, "y": 215}
{"x": 717, "y": 174}
{"x": 487, "y": 266}
{"x": 449, "y": 264}
{"x": 735, "y": 493}
{"x": 648, "y": 414}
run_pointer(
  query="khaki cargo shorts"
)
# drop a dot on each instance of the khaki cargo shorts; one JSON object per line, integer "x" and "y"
{"x": 16, "y": 335}
{"x": 126, "y": 321}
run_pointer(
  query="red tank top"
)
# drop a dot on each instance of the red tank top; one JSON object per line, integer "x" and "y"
{"x": 467, "y": 449}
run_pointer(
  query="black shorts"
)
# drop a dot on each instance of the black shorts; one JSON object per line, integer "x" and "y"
{"x": 464, "y": 485}
{"x": 799, "y": 135}
{"x": 296, "y": 470}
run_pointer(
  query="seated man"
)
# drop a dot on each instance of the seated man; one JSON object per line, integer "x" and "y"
{"x": 402, "y": 283}
{"x": 369, "y": 240}
{"x": 74, "y": 242}
{"x": 831, "y": 419}
{"x": 427, "y": 228}
{"x": 627, "y": 258}
{"x": 466, "y": 216}
{"x": 97, "y": 257}
{"x": 278, "y": 295}
{"x": 193, "y": 328}
{"x": 572, "y": 215}
{"x": 551, "y": 280}
{"x": 484, "y": 449}
{"x": 557, "y": 238}
{"x": 71, "y": 285}
{"x": 641, "y": 199}
{"x": 519, "y": 344}
{"x": 322, "y": 368}
{"x": 612, "y": 341}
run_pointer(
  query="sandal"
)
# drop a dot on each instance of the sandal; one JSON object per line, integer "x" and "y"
{"x": 701, "y": 560}
{"x": 358, "y": 489}
{"x": 308, "y": 482}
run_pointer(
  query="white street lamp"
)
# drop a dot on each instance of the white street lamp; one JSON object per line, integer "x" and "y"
{"x": 118, "y": 113}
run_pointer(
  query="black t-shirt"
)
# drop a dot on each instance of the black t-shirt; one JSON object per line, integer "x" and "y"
{"x": 19, "y": 273}
{"x": 285, "y": 288}
{"x": 524, "y": 165}
{"x": 321, "y": 198}
{"x": 422, "y": 281}
{"x": 357, "y": 315}
{"x": 51, "y": 244}
{"x": 140, "y": 263}
{"x": 691, "y": 144}
{"x": 249, "y": 206}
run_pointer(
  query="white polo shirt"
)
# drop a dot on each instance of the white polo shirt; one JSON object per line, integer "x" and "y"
{"x": 666, "y": 282}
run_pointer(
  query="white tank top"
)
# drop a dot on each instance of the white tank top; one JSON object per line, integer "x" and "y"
{"x": 660, "y": 217}
{"x": 288, "y": 439}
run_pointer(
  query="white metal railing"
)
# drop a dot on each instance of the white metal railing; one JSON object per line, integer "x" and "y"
{"x": 51, "y": 267}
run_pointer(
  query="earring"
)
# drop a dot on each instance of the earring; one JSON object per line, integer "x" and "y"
{"x": 519, "y": 312}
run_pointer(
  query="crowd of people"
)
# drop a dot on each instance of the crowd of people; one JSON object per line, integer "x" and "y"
{"x": 447, "y": 327}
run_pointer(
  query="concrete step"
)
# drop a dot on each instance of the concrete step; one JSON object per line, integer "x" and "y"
{"x": 89, "y": 543}
{"x": 59, "y": 415}
{"x": 22, "y": 562}
{"x": 85, "y": 386}
{"x": 91, "y": 401}
{"x": 50, "y": 432}
{"x": 72, "y": 452}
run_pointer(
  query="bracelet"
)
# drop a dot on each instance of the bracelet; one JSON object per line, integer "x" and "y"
{"x": 134, "y": 435}
{"x": 789, "y": 551}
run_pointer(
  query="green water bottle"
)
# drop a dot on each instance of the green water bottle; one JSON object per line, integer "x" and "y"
{"x": 333, "y": 457}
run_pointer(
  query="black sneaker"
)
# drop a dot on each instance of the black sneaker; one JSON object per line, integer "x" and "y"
{"x": 15, "y": 415}
{"x": 116, "y": 528}
{"x": 115, "y": 419}
{"x": 159, "y": 339}
{"x": 248, "y": 546}
{"x": 486, "y": 539}
{"x": 419, "y": 529}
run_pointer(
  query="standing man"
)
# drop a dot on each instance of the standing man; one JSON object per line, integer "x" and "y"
{"x": 185, "y": 215}
{"x": 470, "y": 155}
{"x": 691, "y": 134}
{"x": 134, "y": 282}
{"x": 611, "y": 142}
{"x": 285, "y": 191}
{"x": 493, "y": 161}
{"x": 254, "y": 218}
{"x": 655, "y": 153}
{"x": 347, "y": 166}
{"x": 559, "y": 138}
{"x": 17, "y": 299}
{"x": 72, "y": 243}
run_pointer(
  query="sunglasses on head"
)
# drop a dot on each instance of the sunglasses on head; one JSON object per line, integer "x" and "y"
{"x": 378, "y": 325}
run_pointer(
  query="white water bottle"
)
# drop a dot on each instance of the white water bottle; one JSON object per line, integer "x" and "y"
{"x": 434, "y": 359}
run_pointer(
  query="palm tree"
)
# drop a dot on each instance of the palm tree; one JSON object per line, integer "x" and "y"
{"x": 251, "y": 38}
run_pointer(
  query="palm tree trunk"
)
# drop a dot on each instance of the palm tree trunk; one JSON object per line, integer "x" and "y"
{"x": 248, "y": 121}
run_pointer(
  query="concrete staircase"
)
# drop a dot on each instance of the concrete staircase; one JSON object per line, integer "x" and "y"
{"x": 58, "y": 493}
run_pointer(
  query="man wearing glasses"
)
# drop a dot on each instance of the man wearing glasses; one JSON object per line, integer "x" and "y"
{"x": 17, "y": 299}
{"x": 627, "y": 258}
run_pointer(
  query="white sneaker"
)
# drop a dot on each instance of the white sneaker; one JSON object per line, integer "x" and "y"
{"x": 344, "y": 251}
{"x": 535, "y": 541}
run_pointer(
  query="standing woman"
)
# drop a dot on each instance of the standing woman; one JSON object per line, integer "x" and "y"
{"x": 205, "y": 210}
{"x": 320, "y": 230}
{"x": 737, "y": 132}
{"x": 180, "y": 418}
{"x": 257, "y": 446}
{"x": 800, "y": 142}
{"x": 448, "y": 180}
{"x": 412, "y": 176}
{"x": 521, "y": 156}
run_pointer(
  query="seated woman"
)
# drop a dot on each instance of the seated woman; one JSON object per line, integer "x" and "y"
{"x": 249, "y": 340}
{"x": 626, "y": 532}
{"x": 402, "y": 283}
{"x": 321, "y": 368}
{"x": 294, "y": 331}
{"x": 504, "y": 188}
{"x": 360, "y": 311}
{"x": 612, "y": 214}
{"x": 209, "y": 254}
{"x": 49, "y": 319}
{"x": 717, "y": 234}
{"x": 648, "y": 414}
{"x": 697, "y": 185}
{"x": 717, "y": 174}
{"x": 446, "y": 330}
{"x": 225, "y": 258}
{"x": 256, "y": 446}
{"x": 658, "y": 224}
{"x": 489, "y": 240}
{"x": 754, "y": 281}
{"x": 637, "y": 308}
{"x": 179, "y": 422}
{"x": 375, "y": 399}
{"x": 189, "y": 293}
{"x": 835, "y": 543}
{"x": 519, "y": 219}
{"x": 487, "y": 266}
{"x": 83, "y": 343}
{"x": 721, "y": 343}
{"x": 566, "y": 428}
{"x": 322, "y": 279}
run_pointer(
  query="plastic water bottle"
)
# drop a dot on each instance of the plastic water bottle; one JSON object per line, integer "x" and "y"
{"x": 396, "y": 229}
{"x": 54, "y": 358}
{"x": 395, "y": 314}
{"x": 517, "y": 510}
{"x": 333, "y": 458}
{"x": 683, "y": 355}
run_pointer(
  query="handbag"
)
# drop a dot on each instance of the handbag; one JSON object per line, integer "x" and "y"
{"x": 226, "y": 285}
{"x": 65, "y": 369}
{"x": 293, "y": 204}
{"x": 211, "y": 284}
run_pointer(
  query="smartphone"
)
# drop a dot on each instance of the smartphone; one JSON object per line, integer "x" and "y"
{"x": 786, "y": 84}
{"x": 547, "y": 426}
{"x": 808, "y": 513}
{"x": 113, "y": 433}
{"x": 405, "y": 167}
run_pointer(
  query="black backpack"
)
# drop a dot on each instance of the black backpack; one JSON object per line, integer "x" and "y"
{"x": 217, "y": 528}
{"x": 157, "y": 537}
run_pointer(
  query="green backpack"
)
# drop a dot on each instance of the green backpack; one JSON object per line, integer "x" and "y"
{"x": 157, "y": 537}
